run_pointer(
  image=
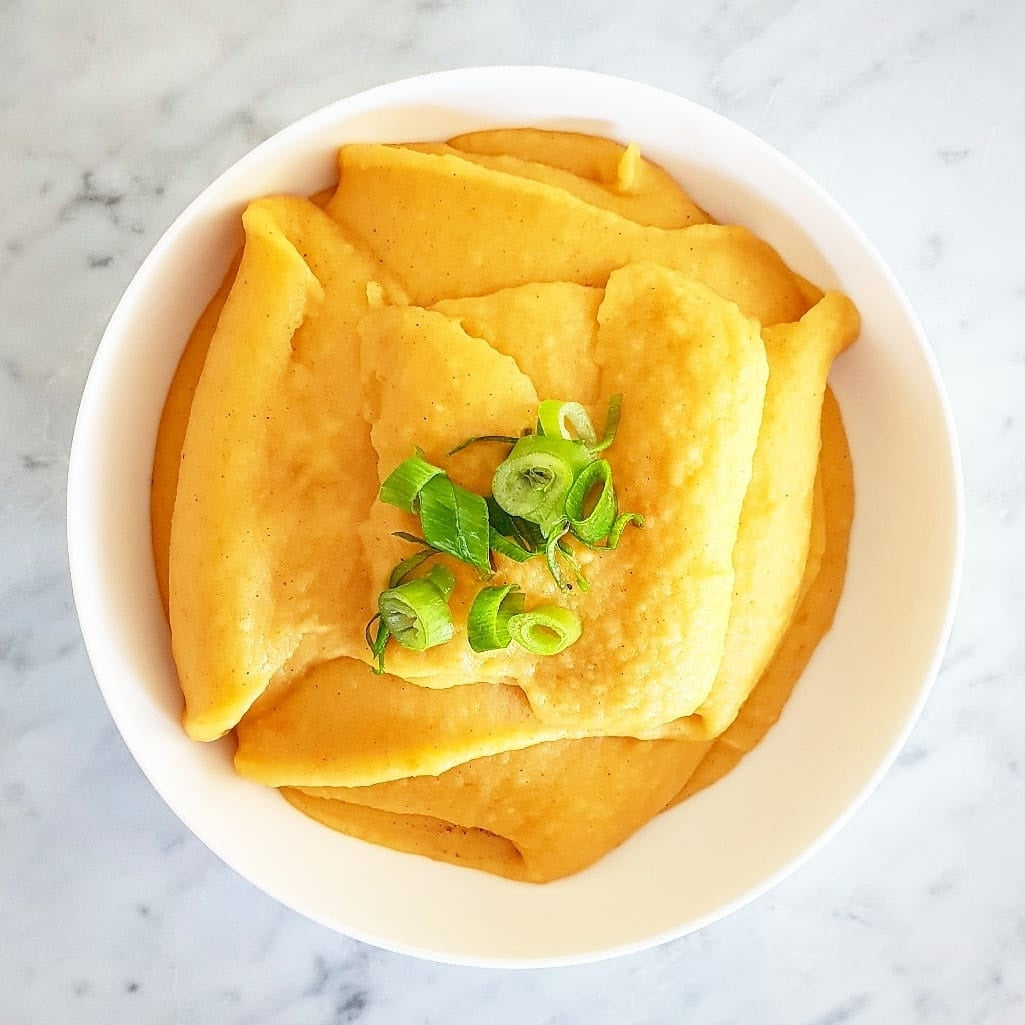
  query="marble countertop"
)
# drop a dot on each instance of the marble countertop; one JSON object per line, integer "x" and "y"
{"x": 114, "y": 116}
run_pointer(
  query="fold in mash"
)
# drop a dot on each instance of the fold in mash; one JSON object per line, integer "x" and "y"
{"x": 174, "y": 421}
{"x": 632, "y": 193}
{"x": 772, "y": 543}
{"x": 548, "y": 328}
{"x": 449, "y": 228}
{"x": 592, "y": 157}
{"x": 695, "y": 370}
{"x": 831, "y": 535}
{"x": 643, "y": 191}
{"x": 276, "y": 470}
{"x": 559, "y": 806}
{"x": 340, "y": 725}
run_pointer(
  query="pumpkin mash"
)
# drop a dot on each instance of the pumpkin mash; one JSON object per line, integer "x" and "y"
{"x": 440, "y": 293}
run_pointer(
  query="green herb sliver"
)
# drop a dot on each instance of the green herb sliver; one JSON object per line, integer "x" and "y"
{"x": 622, "y": 522}
{"x": 452, "y": 519}
{"x": 409, "y": 565}
{"x": 498, "y": 439}
{"x": 612, "y": 415}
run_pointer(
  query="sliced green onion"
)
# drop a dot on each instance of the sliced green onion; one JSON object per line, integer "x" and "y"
{"x": 546, "y": 630}
{"x": 443, "y": 579}
{"x": 566, "y": 552}
{"x": 554, "y": 418}
{"x": 498, "y": 439}
{"x": 377, "y": 643}
{"x": 404, "y": 535}
{"x": 528, "y": 534}
{"x": 550, "y": 484}
{"x": 403, "y": 485}
{"x": 615, "y": 534}
{"x": 499, "y": 519}
{"x": 366, "y": 630}
{"x": 533, "y": 481}
{"x": 455, "y": 521}
{"x": 591, "y": 526}
{"x": 416, "y": 614}
{"x": 409, "y": 565}
{"x": 622, "y": 522}
{"x": 551, "y": 552}
{"x": 505, "y": 535}
{"x": 487, "y": 624}
{"x": 611, "y": 424}
{"x": 509, "y": 548}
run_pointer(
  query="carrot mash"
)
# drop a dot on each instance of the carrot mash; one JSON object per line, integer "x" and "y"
{"x": 441, "y": 292}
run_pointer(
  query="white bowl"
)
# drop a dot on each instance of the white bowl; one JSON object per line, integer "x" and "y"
{"x": 852, "y": 710}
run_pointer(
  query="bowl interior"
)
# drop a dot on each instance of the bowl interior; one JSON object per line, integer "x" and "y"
{"x": 850, "y": 712}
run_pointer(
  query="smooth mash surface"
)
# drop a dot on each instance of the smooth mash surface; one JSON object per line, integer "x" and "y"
{"x": 447, "y": 290}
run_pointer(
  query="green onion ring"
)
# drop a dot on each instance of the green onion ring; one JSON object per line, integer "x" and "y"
{"x": 592, "y": 526}
{"x": 554, "y": 418}
{"x": 546, "y": 630}
{"x": 622, "y": 522}
{"x": 533, "y": 481}
{"x": 487, "y": 624}
{"x": 551, "y": 551}
{"x": 443, "y": 579}
{"x": 564, "y": 550}
{"x": 408, "y": 565}
{"x": 377, "y": 643}
{"x": 403, "y": 485}
{"x": 612, "y": 415}
{"x": 416, "y": 613}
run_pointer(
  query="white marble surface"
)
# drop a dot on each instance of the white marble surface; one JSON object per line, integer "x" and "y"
{"x": 113, "y": 116}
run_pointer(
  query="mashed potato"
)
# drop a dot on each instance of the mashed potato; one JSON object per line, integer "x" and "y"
{"x": 439, "y": 293}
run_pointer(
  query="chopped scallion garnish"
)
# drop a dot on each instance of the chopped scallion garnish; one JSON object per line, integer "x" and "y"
{"x": 532, "y": 483}
{"x": 590, "y": 520}
{"x": 498, "y": 439}
{"x": 455, "y": 521}
{"x": 611, "y": 424}
{"x": 403, "y": 485}
{"x": 554, "y": 418}
{"x": 404, "y": 535}
{"x": 409, "y": 565}
{"x": 550, "y": 488}
{"x": 377, "y": 642}
{"x": 552, "y": 551}
{"x": 622, "y": 522}
{"x": 546, "y": 630}
{"x": 416, "y": 613}
{"x": 487, "y": 624}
